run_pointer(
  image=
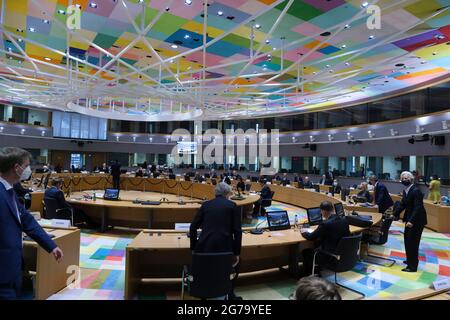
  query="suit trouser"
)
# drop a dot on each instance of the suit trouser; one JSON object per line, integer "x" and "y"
{"x": 412, "y": 241}
{"x": 11, "y": 291}
{"x": 116, "y": 182}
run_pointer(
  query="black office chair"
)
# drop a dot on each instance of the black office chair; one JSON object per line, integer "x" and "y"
{"x": 53, "y": 212}
{"x": 266, "y": 202}
{"x": 380, "y": 239}
{"x": 209, "y": 275}
{"x": 345, "y": 258}
{"x": 248, "y": 187}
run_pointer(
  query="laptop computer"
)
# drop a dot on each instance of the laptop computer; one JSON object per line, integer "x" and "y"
{"x": 111, "y": 194}
{"x": 314, "y": 216}
{"x": 339, "y": 209}
{"x": 278, "y": 220}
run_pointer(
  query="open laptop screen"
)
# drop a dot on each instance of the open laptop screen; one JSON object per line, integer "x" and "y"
{"x": 278, "y": 220}
{"x": 314, "y": 216}
{"x": 111, "y": 194}
{"x": 339, "y": 209}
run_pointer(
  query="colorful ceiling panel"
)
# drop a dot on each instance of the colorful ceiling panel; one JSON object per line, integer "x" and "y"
{"x": 157, "y": 60}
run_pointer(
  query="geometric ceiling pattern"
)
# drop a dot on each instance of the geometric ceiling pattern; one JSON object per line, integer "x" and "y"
{"x": 153, "y": 60}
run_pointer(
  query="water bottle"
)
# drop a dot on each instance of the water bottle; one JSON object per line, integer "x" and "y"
{"x": 94, "y": 197}
{"x": 296, "y": 223}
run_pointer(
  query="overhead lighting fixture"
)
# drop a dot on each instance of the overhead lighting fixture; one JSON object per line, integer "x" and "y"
{"x": 444, "y": 125}
{"x": 32, "y": 29}
{"x": 174, "y": 46}
{"x": 45, "y": 21}
{"x": 311, "y": 138}
{"x": 347, "y": 26}
{"x": 349, "y": 136}
{"x": 22, "y": 131}
{"x": 1, "y": 129}
{"x": 188, "y": 2}
{"x": 60, "y": 11}
{"x": 48, "y": 59}
{"x": 257, "y": 26}
{"x": 93, "y": 5}
{"x": 294, "y": 139}
{"x": 150, "y": 139}
{"x": 434, "y": 53}
{"x": 394, "y": 132}
{"x": 371, "y": 134}
{"x": 419, "y": 129}
{"x": 220, "y": 13}
{"x": 117, "y": 138}
{"x": 42, "y": 133}
{"x": 344, "y": 46}
{"x": 371, "y": 37}
{"x": 186, "y": 36}
{"x": 20, "y": 40}
{"x": 365, "y": 4}
{"x": 347, "y": 64}
{"x": 330, "y": 137}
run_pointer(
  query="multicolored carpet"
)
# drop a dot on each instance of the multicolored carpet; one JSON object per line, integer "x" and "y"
{"x": 102, "y": 260}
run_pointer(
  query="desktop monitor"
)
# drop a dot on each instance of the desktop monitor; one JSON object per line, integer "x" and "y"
{"x": 339, "y": 209}
{"x": 314, "y": 216}
{"x": 278, "y": 220}
{"x": 111, "y": 194}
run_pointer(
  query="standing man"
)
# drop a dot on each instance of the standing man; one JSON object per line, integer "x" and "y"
{"x": 220, "y": 221}
{"x": 415, "y": 219}
{"x": 381, "y": 197}
{"x": 115, "y": 173}
{"x": 15, "y": 219}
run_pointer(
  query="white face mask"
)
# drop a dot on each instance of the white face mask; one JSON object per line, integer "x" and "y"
{"x": 26, "y": 173}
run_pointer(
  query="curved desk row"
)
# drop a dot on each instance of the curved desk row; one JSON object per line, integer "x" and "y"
{"x": 155, "y": 254}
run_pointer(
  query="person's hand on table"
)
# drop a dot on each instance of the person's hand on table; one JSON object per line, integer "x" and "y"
{"x": 58, "y": 254}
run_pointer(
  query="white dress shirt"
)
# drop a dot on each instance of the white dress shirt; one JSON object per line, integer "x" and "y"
{"x": 9, "y": 187}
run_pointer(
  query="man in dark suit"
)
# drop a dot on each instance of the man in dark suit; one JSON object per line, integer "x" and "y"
{"x": 220, "y": 221}
{"x": 57, "y": 194}
{"x": 15, "y": 219}
{"x": 415, "y": 218}
{"x": 336, "y": 188}
{"x": 285, "y": 180}
{"x": 329, "y": 233}
{"x": 297, "y": 178}
{"x": 265, "y": 194}
{"x": 381, "y": 195}
{"x": 115, "y": 173}
{"x": 307, "y": 184}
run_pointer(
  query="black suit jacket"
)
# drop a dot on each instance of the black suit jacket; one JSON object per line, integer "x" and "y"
{"x": 265, "y": 192}
{"x": 337, "y": 188}
{"x": 21, "y": 191}
{"x": 241, "y": 185}
{"x": 58, "y": 195}
{"x": 220, "y": 221}
{"x": 329, "y": 233}
{"x": 413, "y": 206}
{"x": 115, "y": 169}
{"x": 382, "y": 197}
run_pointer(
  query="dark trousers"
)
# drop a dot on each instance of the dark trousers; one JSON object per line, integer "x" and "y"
{"x": 412, "y": 241}
{"x": 234, "y": 280}
{"x": 11, "y": 291}
{"x": 308, "y": 257}
{"x": 116, "y": 182}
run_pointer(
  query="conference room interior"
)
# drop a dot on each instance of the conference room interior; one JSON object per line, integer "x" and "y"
{"x": 185, "y": 99}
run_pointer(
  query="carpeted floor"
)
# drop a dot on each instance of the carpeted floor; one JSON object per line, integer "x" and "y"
{"x": 102, "y": 259}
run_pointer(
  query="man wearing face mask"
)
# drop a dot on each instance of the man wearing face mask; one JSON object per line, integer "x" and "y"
{"x": 15, "y": 219}
{"x": 415, "y": 218}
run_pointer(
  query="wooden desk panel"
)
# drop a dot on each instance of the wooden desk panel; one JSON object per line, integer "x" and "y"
{"x": 51, "y": 276}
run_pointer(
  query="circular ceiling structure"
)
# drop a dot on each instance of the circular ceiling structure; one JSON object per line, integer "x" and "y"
{"x": 173, "y": 60}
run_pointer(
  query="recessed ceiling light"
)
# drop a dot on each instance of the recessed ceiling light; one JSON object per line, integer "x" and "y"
{"x": 188, "y": 2}
{"x": 48, "y": 59}
{"x": 45, "y": 21}
{"x": 347, "y": 26}
{"x": 439, "y": 36}
{"x": 93, "y": 5}
{"x": 327, "y": 66}
{"x": 257, "y": 26}
{"x": 365, "y": 4}
{"x": 434, "y": 53}
{"x": 267, "y": 41}
{"x": 32, "y": 29}
{"x": 423, "y": 62}
{"x": 174, "y": 46}
{"x": 371, "y": 37}
{"x": 347, "y": 63}
{"x": 167, "y": 9}
{"x": 9, "y": 49}
{"x": 220, "y": 13}
{"x": 344, "y": 46}
{"x": 186, "y": 36}
{"x": 60, "y": 11}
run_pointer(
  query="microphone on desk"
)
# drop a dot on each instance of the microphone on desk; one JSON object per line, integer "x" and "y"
{"x": 256, "y": 230}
